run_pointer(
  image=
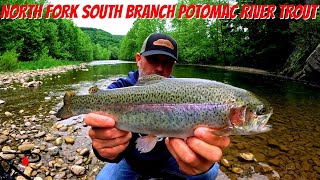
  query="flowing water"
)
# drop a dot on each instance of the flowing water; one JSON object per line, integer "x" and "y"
{"x": 292, "y": 148}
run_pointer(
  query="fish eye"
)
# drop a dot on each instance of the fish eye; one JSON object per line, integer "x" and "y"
{"x": 262, "y": 110}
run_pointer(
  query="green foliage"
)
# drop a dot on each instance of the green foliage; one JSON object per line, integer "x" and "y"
{"x": 105, "y": 45}
{"x": 9, "y": 60}
{"x": 142, "y": 28}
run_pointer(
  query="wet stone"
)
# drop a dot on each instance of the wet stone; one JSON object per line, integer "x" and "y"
{"x": 273, "y": 152}
{"x": 3, "y": 139}
{"x": 260, "y": 156}
{"x": 26, "y": 147}
{"x": 317, "y": 169}
{"x": 306, "y": 166}
{"x": 60, "y": 175}
{"x": 273, "y": 143}
{"x": 78, "y": 170}
{"x": 58, "y": 141}
{"x": 275, "y": 162}
{"x": 247, "y": 156}
{"x": 284, "y": 148}
{"x": 237, "y": 170}
{"x": 40, "y": 134}
{"x": 316, "y": 161}
{"x": 69, "y": 140}
{"x": 225, "y": 163}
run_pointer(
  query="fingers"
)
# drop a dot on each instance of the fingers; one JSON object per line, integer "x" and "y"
{"x": 207, "y": 151}
{"x": 189, "y": 162}
{"x": 98, "y": 120}
{"x": 106, "y": 133}
{"x": 100, "y": 144}
{"x": 112, "y": 153}
{"x": 206, "y": 135}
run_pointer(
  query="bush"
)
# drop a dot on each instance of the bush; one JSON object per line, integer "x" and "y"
{"x": 9, "y": 60}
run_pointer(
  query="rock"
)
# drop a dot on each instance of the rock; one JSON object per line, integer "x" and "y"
{"x": 317, "y": 169}
{"x": 37, "y": 178}
{"x": 78, "y": 170}
{"x": 49, "y": 137}
{"x": 275, "y": 162}
{"x": 311, "y": 69}
{"x": 48, "y": 178}
{"x": 60, "y": 175}
{"x": 225, "y": 163}
{"x": 316, "y": 161}
{"x": 47, "y": 98}
{"x": 8, "y": 113}
{"x": 63, "y": 129}
{"x": 284, "y": 148}
{"x": 25, "y": 136}
{"x": 26, "y": 147}
{"x": 28, "y": 170}
{"x": 2, "y": 101}
{"x": 52, "y": 112}
{"x": 273, "y": 152}
{"x": 7, "y": 156}
{"x": 237, "y": 170}
{"x": 21, "y": 111}
{"x": 53, "y": 151}
{"x": 3, "y": 139}
{"x": 260, "y": 157}
{"x": 58, "y": 141}
{"x": 32, "y": 84}
{"x": 266, "y": 168}
{"x": 272, "y": 142}
{"x": 21, "y": 178}
{"x": 69, "y": 140}
{"x": 40, "y": 134}
{"x": 6, "y": 132}
{"x": 27, "y": 124}
{"x": 247, "y": 156}
{"x": 85, "y": 152}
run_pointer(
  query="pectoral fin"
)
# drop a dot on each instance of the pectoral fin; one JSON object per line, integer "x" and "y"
{"x": 145, "y": 144}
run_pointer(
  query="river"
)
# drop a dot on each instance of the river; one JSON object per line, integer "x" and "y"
{"x": 291, "y": 148}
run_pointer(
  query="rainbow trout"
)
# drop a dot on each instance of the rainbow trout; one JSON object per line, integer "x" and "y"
{"x": 174, "y": 107}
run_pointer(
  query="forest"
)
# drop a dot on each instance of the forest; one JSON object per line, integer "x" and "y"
{"x": 277, "y": 45}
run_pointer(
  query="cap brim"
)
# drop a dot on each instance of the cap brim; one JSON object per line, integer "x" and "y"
{"x": 155, "y": 52}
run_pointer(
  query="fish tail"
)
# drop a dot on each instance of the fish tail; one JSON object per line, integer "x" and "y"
{"x": 65, "y": 111}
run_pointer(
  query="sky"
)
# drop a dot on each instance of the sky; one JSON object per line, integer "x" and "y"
{"x": 118, "y": 26}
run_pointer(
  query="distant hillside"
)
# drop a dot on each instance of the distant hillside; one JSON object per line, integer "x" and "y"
{"x": 103, "y": 40}
{"x": 101, "y": 37}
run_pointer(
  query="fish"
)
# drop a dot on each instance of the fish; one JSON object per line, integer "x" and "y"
{"x": 174, "y": 107}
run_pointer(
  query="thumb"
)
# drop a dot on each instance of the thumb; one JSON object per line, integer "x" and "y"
{"x": 99, "y": 120}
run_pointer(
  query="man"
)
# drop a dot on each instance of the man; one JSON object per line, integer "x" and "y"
{"x": 172, "y": 158}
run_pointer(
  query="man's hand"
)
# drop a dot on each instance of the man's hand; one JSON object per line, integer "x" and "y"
{"x": 197, "y": 154}
{"x": 106, "y": 139}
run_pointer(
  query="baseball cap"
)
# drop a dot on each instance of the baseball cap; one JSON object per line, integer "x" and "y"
{"x": 158, "y": 43}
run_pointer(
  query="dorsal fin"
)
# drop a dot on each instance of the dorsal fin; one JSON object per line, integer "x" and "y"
{"x": 68, "y": 96}
{"x": 93, "y": 89}
{"x": 149, "y": 79}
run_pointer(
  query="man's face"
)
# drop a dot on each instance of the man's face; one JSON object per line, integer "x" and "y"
{"x": 155, "y": 64}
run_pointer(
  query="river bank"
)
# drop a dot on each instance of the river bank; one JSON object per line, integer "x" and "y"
{"x": 31, "y": 78}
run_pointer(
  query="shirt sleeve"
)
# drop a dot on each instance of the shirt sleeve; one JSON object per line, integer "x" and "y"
{"x": 212, "y": 173}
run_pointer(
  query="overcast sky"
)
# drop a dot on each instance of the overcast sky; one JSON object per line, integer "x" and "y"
{"x": 113, "y": 26}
